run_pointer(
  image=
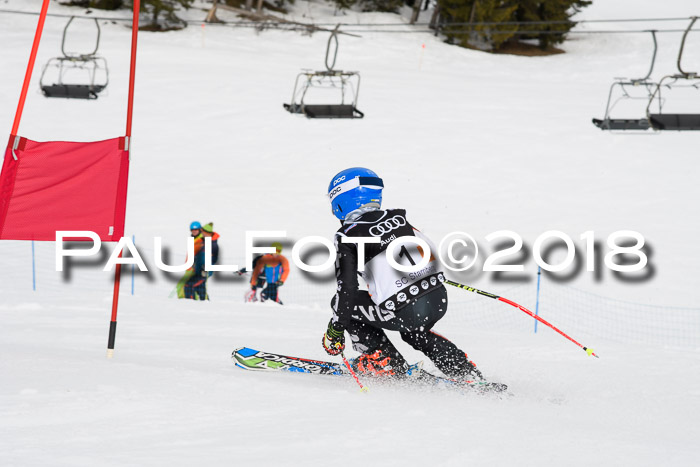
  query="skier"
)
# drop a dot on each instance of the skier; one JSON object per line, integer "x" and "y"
{"x": 208, "y": 231}
{"x": 275, "y": 269}
{"x": 410, "y": 303}
{"x": 193, "y": 284}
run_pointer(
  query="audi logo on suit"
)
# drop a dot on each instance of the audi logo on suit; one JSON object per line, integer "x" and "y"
{"x": 387, "y": 226}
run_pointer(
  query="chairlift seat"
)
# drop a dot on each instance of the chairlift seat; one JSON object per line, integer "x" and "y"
{"x": 622, "y": 84}
{"x": 293, "y": 108}
{"x": 325, "y": 111}
{"x": 72, "y": 91}
{"x": 346, "y": 83}
{"x": 90, "y": 64}
{"x": 332, "y": 111}
{"x": 677, "y": 122}
{"x": 622, "y": 124}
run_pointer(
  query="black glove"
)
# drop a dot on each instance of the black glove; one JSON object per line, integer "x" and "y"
{"x": 279, "y": 283}
{"x": 333, "y": 340}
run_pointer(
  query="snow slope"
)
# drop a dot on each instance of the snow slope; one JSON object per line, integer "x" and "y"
{"x": 465, "y": 141}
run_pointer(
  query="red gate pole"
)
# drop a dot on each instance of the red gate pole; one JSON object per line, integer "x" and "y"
{"x": 113, "y": 321}
{"x": 30, "y": 67}
{"x": 132, "y": 71}
{"x": 127, "y": 147}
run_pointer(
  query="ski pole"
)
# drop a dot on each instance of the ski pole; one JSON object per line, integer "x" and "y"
{"x": 363, "y": 388}
{"x": 588, "y": 350}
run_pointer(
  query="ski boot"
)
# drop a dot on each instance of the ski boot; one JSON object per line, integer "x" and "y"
{"x": 470, "y": 371}
{"x": 376, "y": 365}
{"x": 472, "y": 378}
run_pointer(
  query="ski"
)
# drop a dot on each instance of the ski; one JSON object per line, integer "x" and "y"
{"x": 256, "y": 360}
{"x": 251, "y": 359}
{"x": 471, "y": 385}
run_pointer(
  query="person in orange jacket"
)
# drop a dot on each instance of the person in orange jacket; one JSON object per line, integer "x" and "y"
{"x": 208, "y": 231}
{"x": 276, "y": 269}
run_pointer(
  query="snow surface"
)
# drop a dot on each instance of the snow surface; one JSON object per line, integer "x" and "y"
{"x": 466, "y": 141}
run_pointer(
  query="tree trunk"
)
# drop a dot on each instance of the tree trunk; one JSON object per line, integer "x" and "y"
{"x": 260, "y": 5}
{"x": 211, "y": 16}
{"x": 434, "y": 18}
{"x": 416, "y": 11}
{"x": 471, "y": 20}
{"x": 249, "y": 5}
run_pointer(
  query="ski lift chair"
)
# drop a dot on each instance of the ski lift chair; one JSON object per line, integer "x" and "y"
{"x": 347, "y": 83}
{"x": 683, "y": 79}
{"x": 624, "y": 93}
{"x": 91, "y": 66}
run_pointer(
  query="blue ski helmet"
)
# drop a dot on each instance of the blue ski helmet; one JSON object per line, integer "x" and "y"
{"x": 353, "y": 188}
{"x": 195, "y": 225}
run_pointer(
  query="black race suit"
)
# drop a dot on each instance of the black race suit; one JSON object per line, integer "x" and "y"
{"x": 410, "y": 303}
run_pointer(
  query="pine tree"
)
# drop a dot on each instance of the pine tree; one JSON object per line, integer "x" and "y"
{"x": 344, "y": 4}
{"x": 388, "y": 6}
{"x": 548, "y": 10}
{"x": 156, "y": 7}
{"x": 106, "y": 4}
{"x": 482, "y": 36}
{"x": 488, "y": 11}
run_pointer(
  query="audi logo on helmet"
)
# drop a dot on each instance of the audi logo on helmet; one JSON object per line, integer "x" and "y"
{"x": 387, "y": 226}
{"x": 338, "y": 180}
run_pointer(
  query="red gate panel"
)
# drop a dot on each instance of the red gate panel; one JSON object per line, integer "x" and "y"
{"x": 58, "y": 185}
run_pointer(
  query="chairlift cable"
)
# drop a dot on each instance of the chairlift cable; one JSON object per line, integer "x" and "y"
{"x": 443, "y": 28}
{"x": 515, "y": 23}
{"x": 370, "y": 25}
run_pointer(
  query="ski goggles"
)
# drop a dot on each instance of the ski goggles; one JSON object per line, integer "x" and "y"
{"x": 368, "y": 182}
